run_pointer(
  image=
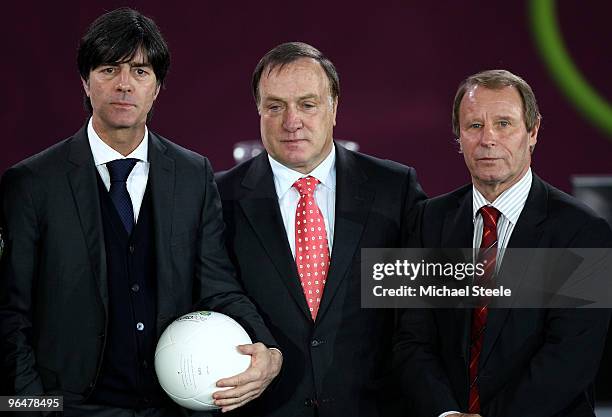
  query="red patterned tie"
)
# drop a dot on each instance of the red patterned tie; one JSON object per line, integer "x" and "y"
{"x": 487, "y": 255}
{"x": 311, "y": 247}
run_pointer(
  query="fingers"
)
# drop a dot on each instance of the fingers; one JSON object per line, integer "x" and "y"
{"x": 242, "y": 379}
{"x": 252, "y": 349}
{"x": 227, "y": 408}
{"x": 245, "y": 386}
{"x": 237, "y": 396}
{"x": 252, "y": 373}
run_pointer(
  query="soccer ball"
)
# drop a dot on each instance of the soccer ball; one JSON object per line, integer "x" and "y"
{"x": 194, "y": 352}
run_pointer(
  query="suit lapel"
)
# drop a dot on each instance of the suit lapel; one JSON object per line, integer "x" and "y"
{"x": 84, "y": 185}
{"x": 161, "y": 182}
{"x": 526, "y": 234}
{"x": 353, "y": 203}
{"x": 260, "y": 206}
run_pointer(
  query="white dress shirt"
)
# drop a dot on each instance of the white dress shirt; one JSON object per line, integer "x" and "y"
{"x": 137, "y": 180}
{"x": 288, "y": 196}
{"x": 510, "y": 204}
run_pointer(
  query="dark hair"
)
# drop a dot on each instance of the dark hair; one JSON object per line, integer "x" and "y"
{"x": 115, "y": 37}
{"x": 289, "y": 52}
{"x": 498, "y": 79}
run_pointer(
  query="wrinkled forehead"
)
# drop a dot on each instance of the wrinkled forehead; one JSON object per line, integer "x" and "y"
{"x": 479, "y": 99}
{"x": 299, "y": 73}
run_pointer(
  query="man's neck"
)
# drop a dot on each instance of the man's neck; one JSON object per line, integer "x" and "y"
{"x": 491, "y": 191}
{"x": 123, "y": 141}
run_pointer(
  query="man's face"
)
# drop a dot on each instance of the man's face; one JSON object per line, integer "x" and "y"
{"x": 493, "y": 137}
{"x": 121, "y": 94}
{"x": 297, "y": 114}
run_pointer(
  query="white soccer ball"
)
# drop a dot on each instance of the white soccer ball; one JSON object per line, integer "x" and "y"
{"x": 194, "y": 352}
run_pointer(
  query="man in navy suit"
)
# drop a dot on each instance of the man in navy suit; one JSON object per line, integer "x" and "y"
{"x": 110, "y": 235}
{"x": 297, "y": 217}
{"x": 502, "y": 362}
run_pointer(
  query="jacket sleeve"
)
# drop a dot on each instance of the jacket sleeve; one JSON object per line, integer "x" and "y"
{"x": 569, "y": 358}
{"x": 215, "y": 274}
{"x": 18, "y": 271}
{"x": 416, "y": 359}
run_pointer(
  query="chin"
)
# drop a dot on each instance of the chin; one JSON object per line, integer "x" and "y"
{"x": 127, "y": 124}
{"x": 490, "y": 178}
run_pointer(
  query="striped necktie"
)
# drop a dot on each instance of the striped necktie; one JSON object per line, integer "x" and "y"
{"x": 488, "y": 256}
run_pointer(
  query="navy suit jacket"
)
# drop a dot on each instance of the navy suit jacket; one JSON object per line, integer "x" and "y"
{"x": 338, "y": 364}
{"x": 53, "y": 282}
{"x": 534, "y": 362}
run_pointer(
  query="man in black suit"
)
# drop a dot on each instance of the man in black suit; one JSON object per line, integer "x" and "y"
{"x": 502, "y": 362}
{"x": 297, "y": 218}
{"x": 109, "y": 236}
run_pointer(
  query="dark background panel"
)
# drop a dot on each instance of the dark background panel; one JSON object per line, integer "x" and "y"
{"x": 399, "y": 63}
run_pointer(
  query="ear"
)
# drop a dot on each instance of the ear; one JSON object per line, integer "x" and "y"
{"x": 85, "y": 86}
{"x": 458, "y": 140}
{"x": 335, "y": 109}
{"x": 157, "y": 90}
{"x": 533, "y": 135}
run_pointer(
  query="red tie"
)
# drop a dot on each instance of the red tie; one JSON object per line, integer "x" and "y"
{"x": 311, "y": 247}
{"x": 487, "y": 255}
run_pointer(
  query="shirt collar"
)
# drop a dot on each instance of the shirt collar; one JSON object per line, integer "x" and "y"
{"x": 510, "y": 203}
{"x": 285, "y": 177}
{"x": 102, "y": 153}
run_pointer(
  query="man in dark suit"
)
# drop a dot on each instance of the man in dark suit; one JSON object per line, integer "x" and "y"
{"x": 502, "y": 362}
{"x": 110, "y": 235}
{"x": 297, "y": 218}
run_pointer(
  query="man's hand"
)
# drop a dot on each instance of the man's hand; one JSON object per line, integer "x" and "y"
{"x": 248, "y": 385}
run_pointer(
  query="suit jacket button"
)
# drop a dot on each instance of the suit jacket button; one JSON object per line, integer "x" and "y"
{"x": 315, "y": 342}
{"x": 131, "y": 248}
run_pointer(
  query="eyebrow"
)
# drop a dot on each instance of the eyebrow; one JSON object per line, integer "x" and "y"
{"x": 495, "y": 116}
{"x": 505, "y": 116}
{"x": 305, "y": 97}
{"x": 132, "y": 64}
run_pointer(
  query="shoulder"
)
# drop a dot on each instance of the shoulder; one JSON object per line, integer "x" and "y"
{"x": 184, "y": 159}
{"x": 236, "y": 173}
{"x": 574, "y": 220}
{"x": 446, "y": 202}
{"x": 45, "y": 165}
{"x": 253, "y": 168}
{"x": 372, "y": 165}
{"x": 564, "y": 206}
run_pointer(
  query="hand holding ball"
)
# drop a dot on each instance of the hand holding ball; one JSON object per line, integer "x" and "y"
{"x": 194, "y": 352}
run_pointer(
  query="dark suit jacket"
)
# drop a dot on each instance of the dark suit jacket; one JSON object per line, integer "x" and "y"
{"x": 53, "y": 283}
{"x": 338, "y": 363}
{"x": 534, "y": 362}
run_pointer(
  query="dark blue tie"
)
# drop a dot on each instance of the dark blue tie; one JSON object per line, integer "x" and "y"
{"x": 119, "y": 170}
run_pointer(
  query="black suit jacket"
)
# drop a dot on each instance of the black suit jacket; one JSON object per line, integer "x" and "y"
{"x": 534, "y": 362}
{"x": 53, "y": 283}
{"x": 338, "y": 363}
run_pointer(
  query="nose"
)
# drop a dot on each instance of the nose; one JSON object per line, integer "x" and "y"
{"x": 292, "y": 120}
{"x": 488, "y": 138}
{"x": 123, "y": 80}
